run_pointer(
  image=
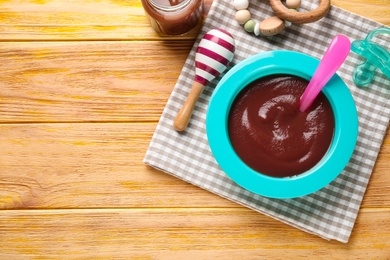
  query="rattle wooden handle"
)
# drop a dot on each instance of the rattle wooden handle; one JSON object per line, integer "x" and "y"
{"x": 183, "y": 117}
{"x": 300, "y": 17}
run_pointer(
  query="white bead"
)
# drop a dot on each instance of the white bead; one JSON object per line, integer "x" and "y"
{"x": 293, "y": 3}
{"x": 256, "y": 30}
{"x": 241, "y": 4}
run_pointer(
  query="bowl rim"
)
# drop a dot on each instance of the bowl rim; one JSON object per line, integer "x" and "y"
{"x": 271, "y": 63}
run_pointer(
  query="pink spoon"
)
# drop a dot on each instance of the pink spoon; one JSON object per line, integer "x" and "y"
{"x": 213, "y": 55}
{"x": 334, "y": 56}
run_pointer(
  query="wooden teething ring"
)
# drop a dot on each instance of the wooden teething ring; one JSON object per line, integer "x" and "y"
{"x": 300, "y": 17}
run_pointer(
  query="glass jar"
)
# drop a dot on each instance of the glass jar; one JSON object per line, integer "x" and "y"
{"x": 173, "y": 17}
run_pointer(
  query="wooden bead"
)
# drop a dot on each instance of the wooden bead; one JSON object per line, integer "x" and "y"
{"x": 293, "y": 3}
{"x": 242, "y": 16}
{"x": 272, "y": 26}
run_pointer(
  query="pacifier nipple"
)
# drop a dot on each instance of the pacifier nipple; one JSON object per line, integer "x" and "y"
{"x": 364, "y": 73}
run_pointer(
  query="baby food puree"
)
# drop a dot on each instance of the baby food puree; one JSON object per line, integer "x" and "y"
{"x": 173, "y": 17}
{"x": 271, "y": 135}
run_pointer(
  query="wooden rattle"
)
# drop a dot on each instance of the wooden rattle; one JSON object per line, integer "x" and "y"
{"x": 213, "y": 55}
{"x": 285, "y": 15}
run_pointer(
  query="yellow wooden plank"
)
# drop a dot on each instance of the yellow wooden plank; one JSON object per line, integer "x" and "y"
{"x": 377, "y": 10}
{"x": 180, "y": 234}
{"x": 88, "y": 81}
{"x": 77, "y": 20}
{"x": 379, "y": 184}
{"x": 87, "y": 165}
{"x": 69, "y": 20}
{"x": 100, "y": 165}
{"x": 112, "y": 19}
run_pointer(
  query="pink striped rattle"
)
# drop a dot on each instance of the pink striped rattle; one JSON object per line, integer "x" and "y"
{"x": 213, "y": 55}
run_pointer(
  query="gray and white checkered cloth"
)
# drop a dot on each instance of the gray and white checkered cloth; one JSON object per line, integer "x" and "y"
{"x": 331, "y": 212}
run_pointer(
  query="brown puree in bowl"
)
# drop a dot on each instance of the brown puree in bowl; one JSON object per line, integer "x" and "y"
{"x": 271, "y": 135}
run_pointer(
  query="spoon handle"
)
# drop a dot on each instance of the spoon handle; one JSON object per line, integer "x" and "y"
{"x": 184, "y": 115}
{"x": 334, "y": 56}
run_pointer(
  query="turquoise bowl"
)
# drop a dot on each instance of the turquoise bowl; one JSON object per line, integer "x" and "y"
{"x": 271, "y": 63}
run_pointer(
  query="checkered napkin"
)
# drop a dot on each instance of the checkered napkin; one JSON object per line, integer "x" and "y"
{"x": 329, "y": 213}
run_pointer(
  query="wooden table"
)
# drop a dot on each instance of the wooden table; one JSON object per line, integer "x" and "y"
{"x": 82, "y": 86}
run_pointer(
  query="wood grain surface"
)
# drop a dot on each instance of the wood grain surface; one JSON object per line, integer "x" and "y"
{"x": 82, "y": 87}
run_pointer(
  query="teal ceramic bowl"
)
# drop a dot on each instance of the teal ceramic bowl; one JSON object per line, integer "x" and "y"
{"x": 325, "y": 171}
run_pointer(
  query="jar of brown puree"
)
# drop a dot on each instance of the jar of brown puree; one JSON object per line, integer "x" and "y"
{"x": 173, "y": 17}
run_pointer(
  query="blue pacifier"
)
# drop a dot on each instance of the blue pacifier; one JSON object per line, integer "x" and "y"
{"x": 376, "y": 57}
